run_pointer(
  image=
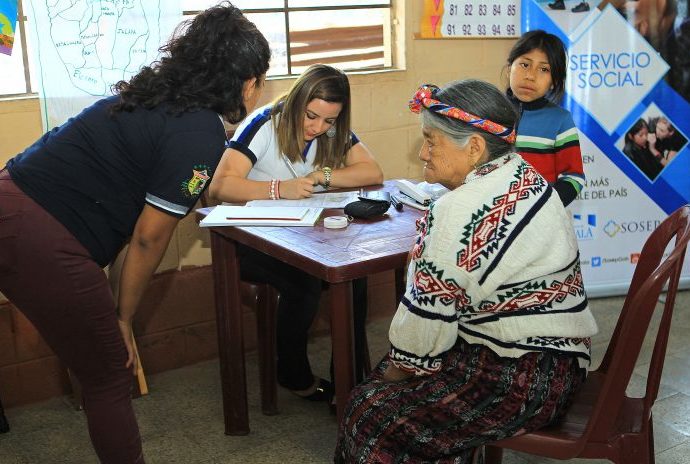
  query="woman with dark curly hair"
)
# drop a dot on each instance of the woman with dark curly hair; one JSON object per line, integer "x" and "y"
{"x": 128, "y": 167}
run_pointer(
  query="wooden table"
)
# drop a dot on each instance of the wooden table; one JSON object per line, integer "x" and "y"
{"x": 337, "y": 256}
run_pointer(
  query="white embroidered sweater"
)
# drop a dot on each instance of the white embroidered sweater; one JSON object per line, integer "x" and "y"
{"x": 496, "y": 263}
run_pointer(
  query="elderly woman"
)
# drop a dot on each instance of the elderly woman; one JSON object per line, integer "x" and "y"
{"x": 492, "y": 336}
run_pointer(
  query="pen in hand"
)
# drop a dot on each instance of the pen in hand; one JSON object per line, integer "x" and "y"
{"x": 288, "y": 163}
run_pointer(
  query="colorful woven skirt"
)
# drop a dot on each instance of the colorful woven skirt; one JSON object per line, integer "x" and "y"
{"x": 477, "y": 397}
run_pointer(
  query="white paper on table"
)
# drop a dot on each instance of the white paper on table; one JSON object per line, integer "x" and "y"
{"x": 225, "y": 215}
{"x": 321, "y": 200}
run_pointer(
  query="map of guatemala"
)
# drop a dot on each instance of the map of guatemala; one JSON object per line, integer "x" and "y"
{"x": 90, "y": 45}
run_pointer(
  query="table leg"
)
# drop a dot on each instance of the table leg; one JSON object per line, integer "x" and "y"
{"x": 226, "y": 277}
{"x": 342, "y": 340}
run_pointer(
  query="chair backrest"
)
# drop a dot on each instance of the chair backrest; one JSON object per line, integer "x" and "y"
{"x": 651, "y": 274}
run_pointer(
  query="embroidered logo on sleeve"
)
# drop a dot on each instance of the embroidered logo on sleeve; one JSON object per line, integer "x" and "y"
{"x": 194, "y": 186}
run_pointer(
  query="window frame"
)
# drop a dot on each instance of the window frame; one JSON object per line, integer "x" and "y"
{"x": 285, "y": 10}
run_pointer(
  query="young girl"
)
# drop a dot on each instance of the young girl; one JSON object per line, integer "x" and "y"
{"x": 546, "y": 134}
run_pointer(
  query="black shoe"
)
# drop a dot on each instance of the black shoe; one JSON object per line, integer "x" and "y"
{"x": 557, "y": 5}
{"x": 324, "y": 392}
{"x": 580, "y": 7}
{"x": 4, "y": 426}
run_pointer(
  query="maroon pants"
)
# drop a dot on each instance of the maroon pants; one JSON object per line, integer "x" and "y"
{"x": 50, "y": 277}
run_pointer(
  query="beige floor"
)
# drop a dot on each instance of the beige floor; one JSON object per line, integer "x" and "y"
{"x": 181, "y": 419}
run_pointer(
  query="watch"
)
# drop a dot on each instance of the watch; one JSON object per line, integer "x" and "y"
{"x": 327, "y": 176}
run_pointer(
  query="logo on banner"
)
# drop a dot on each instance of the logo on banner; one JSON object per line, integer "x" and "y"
{"x": 613, "y": 228}
{"x": 612, "y": 68}
{"x": 596, "y": 261}
{"x": 585, "y": 226}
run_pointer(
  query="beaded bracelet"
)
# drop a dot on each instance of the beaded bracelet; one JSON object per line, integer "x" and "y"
{"x": 272, "y": 189}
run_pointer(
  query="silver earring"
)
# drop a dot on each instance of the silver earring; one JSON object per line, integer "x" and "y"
{"x": 330, "y": 133}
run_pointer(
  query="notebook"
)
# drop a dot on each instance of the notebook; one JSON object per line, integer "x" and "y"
{"x": 226, "y": 215}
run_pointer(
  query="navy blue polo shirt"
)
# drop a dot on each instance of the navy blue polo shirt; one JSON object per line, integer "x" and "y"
{"x": 95, "y": 172}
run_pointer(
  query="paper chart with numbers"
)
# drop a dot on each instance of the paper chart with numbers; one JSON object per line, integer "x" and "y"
{"x": 470, "y": 19}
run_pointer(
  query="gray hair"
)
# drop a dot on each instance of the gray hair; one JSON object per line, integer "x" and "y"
{"x": 481, "y": 99}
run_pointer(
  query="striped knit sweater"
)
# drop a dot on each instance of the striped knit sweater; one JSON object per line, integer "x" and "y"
{"x": 496, "y": 263}
{"x": 547, "y": 139}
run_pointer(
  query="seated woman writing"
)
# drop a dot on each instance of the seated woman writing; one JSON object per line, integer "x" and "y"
{"x": 491, "y": 338}
{"x": 285, "y": 150}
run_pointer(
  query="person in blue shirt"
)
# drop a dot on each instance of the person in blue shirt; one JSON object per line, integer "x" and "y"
{"x": 301, "y": 142}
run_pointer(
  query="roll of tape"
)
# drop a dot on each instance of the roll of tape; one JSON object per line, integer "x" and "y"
{"x": 335, "y": 222}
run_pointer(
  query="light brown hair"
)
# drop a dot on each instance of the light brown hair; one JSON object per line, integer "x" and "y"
{"x": 325, "y": 83}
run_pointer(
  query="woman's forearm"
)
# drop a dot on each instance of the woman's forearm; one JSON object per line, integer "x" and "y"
{"x": 356, "y": 175}
{"x": 238, "y": 189}
{"x": 360, "y": 169}
{"x": 147, "y": 246}
{"x": 140, "y": 264}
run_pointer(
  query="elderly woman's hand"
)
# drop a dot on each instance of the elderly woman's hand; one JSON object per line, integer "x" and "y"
{"x": 294, "y": 189}
{"x": 393, "y": 374}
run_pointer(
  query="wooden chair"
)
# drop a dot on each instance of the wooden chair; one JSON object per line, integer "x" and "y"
{"x": 603, "y": 422}
{"x": 264, "y": 299}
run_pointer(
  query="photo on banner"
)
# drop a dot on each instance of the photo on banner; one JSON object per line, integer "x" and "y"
{"x": 8, "y": 21}
{"x": 653, "y": 142}
{"x": 628, "y": 88}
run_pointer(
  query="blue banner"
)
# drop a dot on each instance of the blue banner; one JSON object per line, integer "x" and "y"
{"x": 628, "y": 89}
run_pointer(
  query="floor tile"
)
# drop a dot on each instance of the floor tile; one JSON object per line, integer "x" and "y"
{"x": 181, "y": 419}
